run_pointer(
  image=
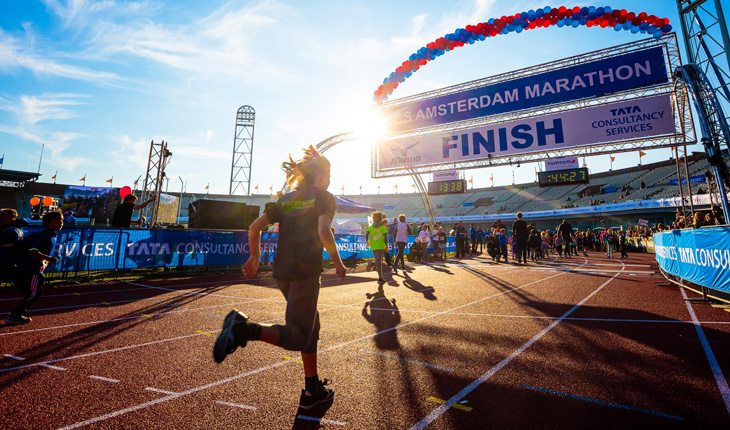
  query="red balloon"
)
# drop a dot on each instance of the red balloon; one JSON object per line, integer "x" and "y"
{"x": 125, "y": 191}
{"x": 47, "y": 201}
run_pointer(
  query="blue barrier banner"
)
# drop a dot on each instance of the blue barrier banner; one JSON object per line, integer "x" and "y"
{"x": 701, "y": 256}
{"x": 93, "y": 249}
{"x": 697, "y": 179}
{"x": 591, "y": 79}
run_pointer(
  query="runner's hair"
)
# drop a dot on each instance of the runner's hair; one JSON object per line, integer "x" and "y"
{"x": 306, "y": 170}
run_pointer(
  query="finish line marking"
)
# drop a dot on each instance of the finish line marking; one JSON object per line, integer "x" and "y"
{"x": 237, "y": 405}
{"x": 296, "y": 360}
{"x": 407, "y": 360}
{"x": 321, "y": 420}
{"x": 101, "y": 378}
{"x": 601, "y": 402}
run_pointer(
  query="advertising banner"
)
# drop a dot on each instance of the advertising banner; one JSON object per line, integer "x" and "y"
{"x": 561, "y": 164}
{"x": 590, "y": 79}
{"x": 697, "y": 179}
{"x": 634, "y": 119}
{"x": 700, "y": 256}
{"x": 446, "y": 175}
{"x": 91, "y": 249}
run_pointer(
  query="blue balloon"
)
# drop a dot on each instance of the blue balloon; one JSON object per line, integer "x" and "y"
{"x": 667, "y": 28}
{"x": 591, "y": 9}
{"x": 547, "y": 9}
{"x": 658, "y": 35}
{"x": 518, "y": 29}
{"x": 523, "y": 15}
{"x": 618, "y": 27}
{"x": 561, "y": 23}
{"x": 576, "y": 24}
{"x": 600, "y": 11}
{"x": 607, "y": 9}
{"x": 491, "y": 21}
{"x": 539, "y": 13}
{"x": 634, "y": 29}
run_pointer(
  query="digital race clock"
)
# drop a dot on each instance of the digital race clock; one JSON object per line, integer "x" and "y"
{"x": 563, "y": 177}
{"x": 454, "y": 186}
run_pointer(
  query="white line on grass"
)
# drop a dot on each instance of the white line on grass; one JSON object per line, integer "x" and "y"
{"x": 237, "y": 405}
{"x": 711, "y": 359}
{"x": 213, "y": 384}
{"x": 456, "y": 398}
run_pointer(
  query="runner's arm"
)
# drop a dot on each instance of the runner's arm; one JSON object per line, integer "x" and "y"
{"x": 328, "y": 240}
{"x": 251, "y": 266}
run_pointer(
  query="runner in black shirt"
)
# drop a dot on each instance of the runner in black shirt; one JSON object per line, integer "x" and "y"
{"x": 304, "y": 218}
{"x": 123, "y": 213}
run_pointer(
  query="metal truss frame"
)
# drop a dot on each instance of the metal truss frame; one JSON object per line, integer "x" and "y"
{"x": 684, "y": 129}
{"x": 242, "y": 159}
{"x": 156, "y": 163}
{"x": 708, "y": 44}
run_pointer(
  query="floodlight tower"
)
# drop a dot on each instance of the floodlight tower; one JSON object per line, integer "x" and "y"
{"x": 242, "y": 151}
{"x": 708, "y": 45}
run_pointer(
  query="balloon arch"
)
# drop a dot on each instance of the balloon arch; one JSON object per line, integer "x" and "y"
{"x": 604, "y": 17}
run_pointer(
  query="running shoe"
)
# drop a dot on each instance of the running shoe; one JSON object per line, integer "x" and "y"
{"x": 17, "y": 319}
{"x": 320, "y": 394}
{"x": 226, "y": 342}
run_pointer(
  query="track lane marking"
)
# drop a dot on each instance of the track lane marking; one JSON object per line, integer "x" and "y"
{"x": 237, "y": 405}
{"x": 213, "y": 384}
{"x": 158, "y": 390}
{"x": 321, "y": 420}
{"x": 456, "y": 398}
{"x": 101, "y": 378}
{"x": 600, "y": 402}
{"x": 711, "y": 359}
{"x": 48, "y": 366}
{"x": 14, "y": 357}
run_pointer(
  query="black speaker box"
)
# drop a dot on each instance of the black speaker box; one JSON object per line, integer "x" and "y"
{"x": 215, "y": 214}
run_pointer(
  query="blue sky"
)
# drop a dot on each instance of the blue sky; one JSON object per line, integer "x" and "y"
{"x": 95, "y": 81}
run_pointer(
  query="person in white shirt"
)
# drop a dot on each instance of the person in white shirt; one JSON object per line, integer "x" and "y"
{"x": 401, "y": 239}
{"x": 424, "y": 238}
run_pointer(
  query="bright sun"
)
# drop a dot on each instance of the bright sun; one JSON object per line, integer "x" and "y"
{"x": 372, "y": 126}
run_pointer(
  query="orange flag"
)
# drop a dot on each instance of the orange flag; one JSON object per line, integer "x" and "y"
{"x": 641, "y": 154}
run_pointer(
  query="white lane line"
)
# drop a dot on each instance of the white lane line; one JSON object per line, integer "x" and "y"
{"x": 157, "y": 390}
{"x": 14, "y": 357}
{"x": 81, "y": 294}
{"x": 321, "y": 420}
{"x": 407, "y": 360}
{"x": 213, "y": 384}
{"x": 456, "y": 398}
{"x": 237, "y": 405}
{"x": 48, "y": 366}
{"x": 711, "y": 359}
{"x": 243, "y": 301}
{"x": 101, "y": 378}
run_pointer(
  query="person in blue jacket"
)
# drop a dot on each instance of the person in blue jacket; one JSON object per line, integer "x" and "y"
{"x": 34, "y": 256}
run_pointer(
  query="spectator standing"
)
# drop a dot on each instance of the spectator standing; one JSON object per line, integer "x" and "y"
{"x": 424, "y": 238}
{"x": 401, "y": 239}
{"x": 460, "y": 232}
{"x": 123, "y": 213}
{"x": 502, "y": 240}
{"x": 520, "y": 236}
{"x": 566, "y": 230}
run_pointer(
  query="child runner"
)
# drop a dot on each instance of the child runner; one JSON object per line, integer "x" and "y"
{"x": 34, "y": 255}
{"x": 304, "y": 218}
{"x": 377, "y": 239}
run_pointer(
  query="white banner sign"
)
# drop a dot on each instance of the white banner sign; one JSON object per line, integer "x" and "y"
{"x": 640, "y": 118}
{"x": 561, "y": 163}
{"x": 446, "y": 175}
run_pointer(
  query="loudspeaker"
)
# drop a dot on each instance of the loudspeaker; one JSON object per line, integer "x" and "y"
{"x": 216, "y": 214}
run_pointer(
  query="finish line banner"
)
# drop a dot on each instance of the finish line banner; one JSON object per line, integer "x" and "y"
{"x": 592, "y": 79}
{"x": 701, "y": 256}
{"x": 634, "y": 119}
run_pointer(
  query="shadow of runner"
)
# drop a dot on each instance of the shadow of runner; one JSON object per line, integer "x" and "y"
{"x": 413, "y": 285}
{"x": 311, "y": 419}
{"x": 384, "y": 315}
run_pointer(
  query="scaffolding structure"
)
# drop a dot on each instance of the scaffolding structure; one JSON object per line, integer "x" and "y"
{"x": 156, "y": 163}
{"x": 242, "y": 151}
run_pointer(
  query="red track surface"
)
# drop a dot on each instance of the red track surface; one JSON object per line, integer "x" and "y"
{"x": 587, "y": 343}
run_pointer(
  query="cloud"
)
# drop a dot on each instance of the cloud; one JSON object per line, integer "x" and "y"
{"x": 14, "y": 55}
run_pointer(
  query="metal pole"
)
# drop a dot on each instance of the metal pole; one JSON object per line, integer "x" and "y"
{"x": 679, "y": 179}
{"x": 723, "y": 30}
{"x": 43, "y": 146}
{"x": 689, "y": 183}
{"x": 179, "y": 203}
{"x": 723, "y": 194}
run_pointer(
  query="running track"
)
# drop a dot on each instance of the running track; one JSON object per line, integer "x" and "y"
{"x": 569, "y": 344}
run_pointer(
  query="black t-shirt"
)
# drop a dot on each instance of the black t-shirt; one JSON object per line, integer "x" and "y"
{"x": 123, "y": 215}
{"x": 519, "y": 230}
{"x": 565, "y": 229}
{"x": 299, "y": 250}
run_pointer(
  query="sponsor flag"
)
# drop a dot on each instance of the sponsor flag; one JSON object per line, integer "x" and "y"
{"x": 55, "y": 175}
{"x": 83, "y": 179}
{"x": 641, "y": 154}
{"x": 110, "y": 180}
